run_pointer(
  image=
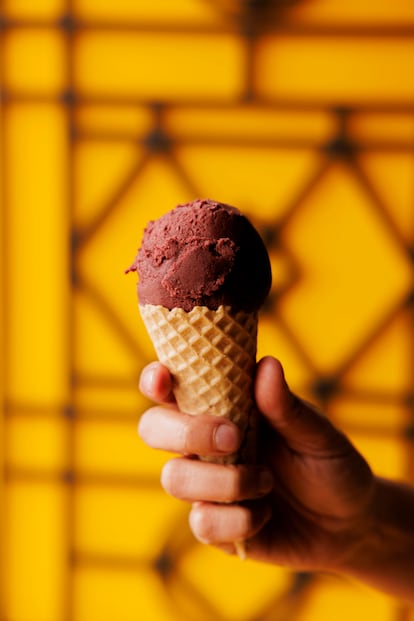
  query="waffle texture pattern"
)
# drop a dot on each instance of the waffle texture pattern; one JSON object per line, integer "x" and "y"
{"x": 211, "y": 355}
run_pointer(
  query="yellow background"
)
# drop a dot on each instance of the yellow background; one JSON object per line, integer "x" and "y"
{"x": 301, "y": 113}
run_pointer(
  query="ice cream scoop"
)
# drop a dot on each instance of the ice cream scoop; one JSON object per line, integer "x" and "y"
{"x": 203, "y": 253}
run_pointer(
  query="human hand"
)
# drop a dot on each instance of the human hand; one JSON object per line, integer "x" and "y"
{"x": 305, "y": 505}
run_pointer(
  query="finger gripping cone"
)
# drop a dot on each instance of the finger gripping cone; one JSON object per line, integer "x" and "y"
{"x": 211, "y": 355}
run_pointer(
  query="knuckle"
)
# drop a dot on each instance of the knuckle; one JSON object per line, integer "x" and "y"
{"x": 179, "y": 479}
{"x": 198, "y": 435}
{"x": 170, "y": 479}
{"x": 201, "y": 525}
{"x": 143, "y": 424}
{"x": 147, "y": 430}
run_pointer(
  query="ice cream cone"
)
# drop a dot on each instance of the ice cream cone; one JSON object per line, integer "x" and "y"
{"x": 203, "y": 260}
{"x": 211, "y": 355}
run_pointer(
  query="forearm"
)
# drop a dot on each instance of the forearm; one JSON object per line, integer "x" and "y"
{"x": 384, "y": 555}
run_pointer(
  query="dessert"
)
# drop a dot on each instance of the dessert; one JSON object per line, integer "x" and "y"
{"x": 204, "y": 273}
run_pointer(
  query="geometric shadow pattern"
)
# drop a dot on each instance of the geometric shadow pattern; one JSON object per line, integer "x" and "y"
{"x": 300, "y": 113}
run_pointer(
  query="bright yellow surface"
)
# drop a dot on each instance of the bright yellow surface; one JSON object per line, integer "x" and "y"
{"x": 34, "y": 60}
{"x": 37, "y": 253}
{"x": 164, "y": 66}
{"x": 114, "y": 112}
{"x": 326, "y": 68}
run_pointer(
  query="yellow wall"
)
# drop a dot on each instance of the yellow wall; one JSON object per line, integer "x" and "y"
{"x": 114, "y": 112}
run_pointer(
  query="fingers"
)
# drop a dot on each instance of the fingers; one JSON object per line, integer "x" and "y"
{"x": 194, "y": 480}
{"x": 155, "y": 383}
{"x": 300, "y": 424}
{"x": 171, "y": 430}
{"x": 219, "y": 524}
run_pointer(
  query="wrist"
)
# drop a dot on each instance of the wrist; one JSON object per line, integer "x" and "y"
{"x": 381, "y": 553}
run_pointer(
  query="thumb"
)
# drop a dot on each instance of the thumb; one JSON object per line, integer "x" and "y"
{"x": 303, "y": 428}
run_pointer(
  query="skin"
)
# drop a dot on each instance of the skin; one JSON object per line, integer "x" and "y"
{"x": 312, "y": 503}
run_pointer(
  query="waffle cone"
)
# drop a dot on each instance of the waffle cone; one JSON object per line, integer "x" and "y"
{"x": 211, "y": 355}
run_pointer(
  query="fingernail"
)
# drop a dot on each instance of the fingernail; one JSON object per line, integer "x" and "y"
{"x": 226, "y": 438}
{"x": 265, "y": 481}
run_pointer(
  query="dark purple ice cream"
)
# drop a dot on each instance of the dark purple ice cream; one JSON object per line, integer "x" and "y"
{"x": 203, "y": 253}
